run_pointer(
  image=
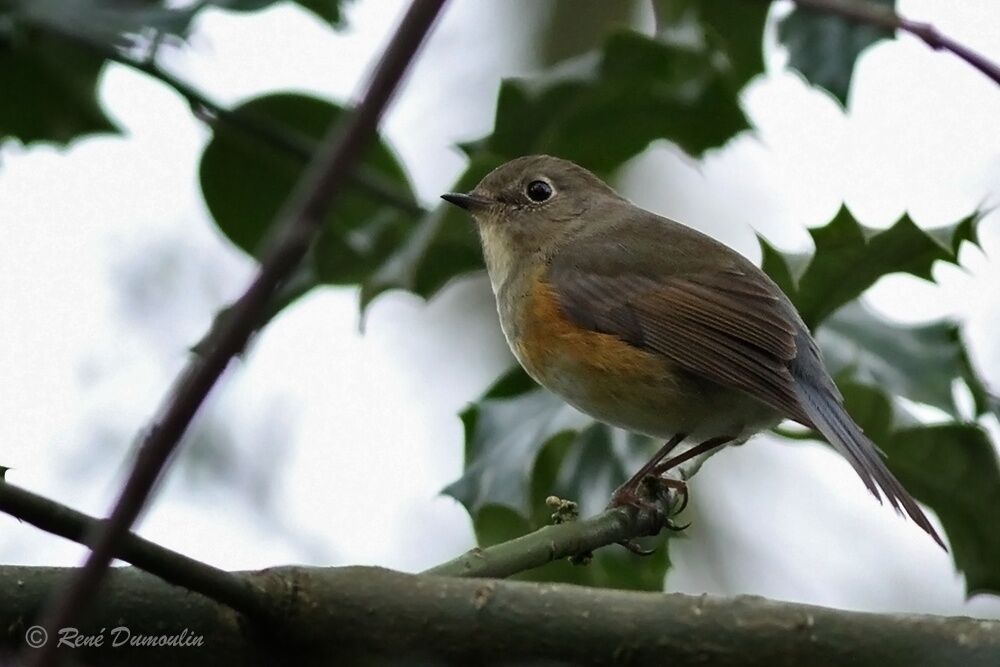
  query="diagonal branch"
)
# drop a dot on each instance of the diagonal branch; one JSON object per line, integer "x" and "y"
{"x": 296, "y": 226}
{"x": 176, "y": 568}
{"x": 859, "y": 11}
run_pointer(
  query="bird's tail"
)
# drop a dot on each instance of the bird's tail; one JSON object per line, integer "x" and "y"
{"x": 829, "y": 417}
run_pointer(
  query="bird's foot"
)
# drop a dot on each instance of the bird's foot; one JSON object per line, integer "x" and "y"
{"x": 652, "y": 495}
{"x": 636, "y": 496}
{"x": 679, "y": 487}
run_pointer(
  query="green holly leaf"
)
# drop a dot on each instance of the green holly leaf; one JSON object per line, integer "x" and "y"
{"x": 950, "y": 467}
{"x": 600, "y": 111}
{"x": 734, "y": 32}
{"x": 122, "y": 23}
{"x": 503, "y": 437}
{"x": 583, "y": 466}
{"x": 826, "y": 284}
{"x": 52, "y": 52}
{"x": 54, "y": 83}
{"x": 824, "y": 47}
{"x": 523, "y": 445}
{"x": 919, "y": 363}
{"x": 568, "y": 28}
{"x": 246, "y": 180}
{"x": 328, "y": 10}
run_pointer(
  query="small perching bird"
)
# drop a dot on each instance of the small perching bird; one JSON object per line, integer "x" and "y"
{"x": 649, "y": 325}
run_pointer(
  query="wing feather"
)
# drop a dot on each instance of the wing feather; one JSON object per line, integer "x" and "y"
{"x": 720, "y": 326}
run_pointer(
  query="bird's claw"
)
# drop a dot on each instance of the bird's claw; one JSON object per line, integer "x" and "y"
{"x": 671, "y": 526}
{"x": 637, "y": 548}
{"x": 680, "y": 487}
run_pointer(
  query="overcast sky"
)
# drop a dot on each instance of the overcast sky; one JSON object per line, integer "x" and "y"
{"x": 334, "y": 446}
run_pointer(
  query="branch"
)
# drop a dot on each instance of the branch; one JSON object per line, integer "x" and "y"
{"x": 867, "y": 13}
{"x": 550, "y": 543}
{"x": 366, "y": 615}
{"x": 296, "y": 225}
{"x": 171, "y": 566}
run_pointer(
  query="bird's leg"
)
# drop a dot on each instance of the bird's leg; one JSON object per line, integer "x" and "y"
{"x": 654, "y": 470}
{"x": 660, "y": 468}
{"x": 627, "y": 495}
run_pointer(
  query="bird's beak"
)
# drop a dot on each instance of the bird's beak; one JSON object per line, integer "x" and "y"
{"x": 471, "y": 203}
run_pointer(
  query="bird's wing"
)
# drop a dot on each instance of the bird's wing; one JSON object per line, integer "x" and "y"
{"x": 726, "y": 325}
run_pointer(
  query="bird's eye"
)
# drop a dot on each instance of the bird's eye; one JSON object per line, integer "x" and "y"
{"x": 539, "y": 191}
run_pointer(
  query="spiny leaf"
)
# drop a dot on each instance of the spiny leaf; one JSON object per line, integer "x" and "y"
{"x": 849, "y": 259}
{"x": 919, "y": 363}
{"x": 734, "y": 31}
{"x": 502, "y": 441}
{"x": 825, "y": 47}
{"x": 54, "y": 83}
{"x": 328, "y": 10}
{"x": 776, "y": 265}
{"x": 950, "y": 467}
{"x": 580, "y": 466}
{"x": 572, "y": 27}
{"x": 48, "y": 67}
{"x": 600, "y": 112}
{"x": 123, "y": 23}
{"x": 524, "y": 444}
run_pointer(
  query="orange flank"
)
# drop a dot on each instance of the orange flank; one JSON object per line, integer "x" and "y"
{"x": 616, "y": 382}
{"x": 550, "y": 343}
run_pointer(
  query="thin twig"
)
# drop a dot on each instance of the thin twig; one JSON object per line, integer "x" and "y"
{"x": 57, "y": 519}
{"x": 864, "y": 12}
{"x": 551, "y": 543}
{"x": 213, "y": 114}
{"x": 297, "y": 225}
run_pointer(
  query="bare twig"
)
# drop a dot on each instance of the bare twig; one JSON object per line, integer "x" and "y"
{"x": 550, "y": 543}
{"x": 297, "y": 225}
{"x": 865, "y": 12}
{"x": 171, "y": 566}
{"x": 214, "y": 114}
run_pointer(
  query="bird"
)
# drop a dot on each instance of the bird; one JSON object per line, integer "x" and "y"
{"x": 649, "y": 325}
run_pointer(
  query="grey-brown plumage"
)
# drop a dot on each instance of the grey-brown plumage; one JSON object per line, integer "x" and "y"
{"x": 730, "y": 324}
{"x": 728, "y": 337}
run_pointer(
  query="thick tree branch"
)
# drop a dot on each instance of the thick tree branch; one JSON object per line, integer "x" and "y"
{"x": 171, "y": 566}
{"x": 296, "y": 225}
{"x": 354, "y": 614}
{"x": 870, "y": 14}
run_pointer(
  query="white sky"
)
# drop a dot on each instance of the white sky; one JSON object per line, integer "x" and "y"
{"x": 336, "y": 445}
